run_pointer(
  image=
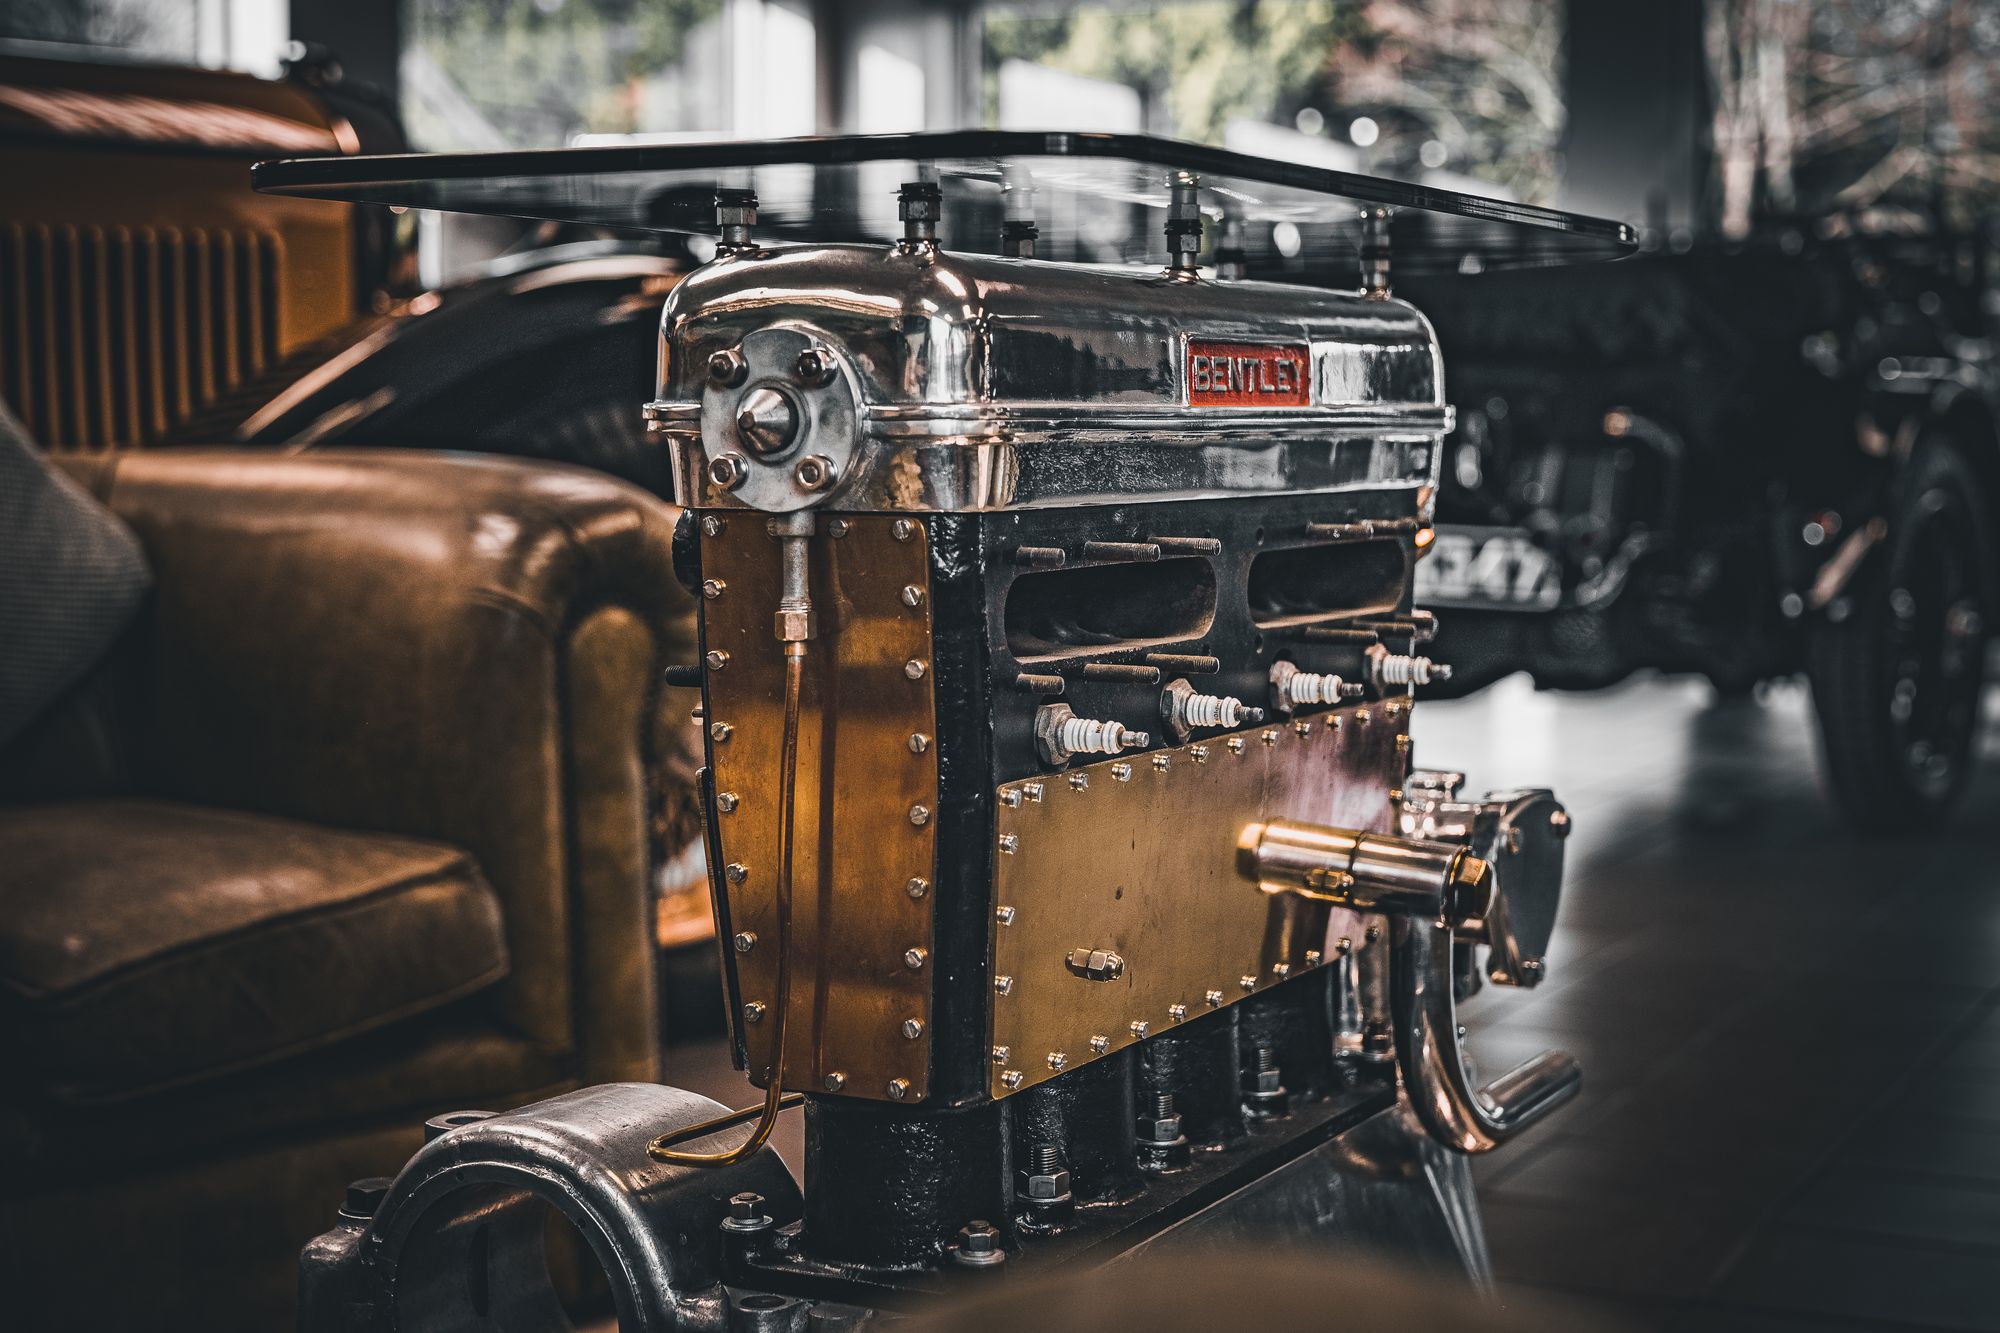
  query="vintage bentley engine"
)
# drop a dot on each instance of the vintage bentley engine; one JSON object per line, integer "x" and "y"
{"x": 1058, "y": 664}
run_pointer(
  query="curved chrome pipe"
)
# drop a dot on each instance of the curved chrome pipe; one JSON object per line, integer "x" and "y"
{"x": 1459, "y": 1115}
{"x": 1433, "y": 892}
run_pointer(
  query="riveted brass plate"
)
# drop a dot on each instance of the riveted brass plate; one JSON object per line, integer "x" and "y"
{"x": 856, "y": 846}
{"x": 1138, "y": 856}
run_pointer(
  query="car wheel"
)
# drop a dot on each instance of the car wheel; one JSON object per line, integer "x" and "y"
{"x": 1896, "y": 679}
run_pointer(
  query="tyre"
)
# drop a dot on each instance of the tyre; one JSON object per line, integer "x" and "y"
{"x": 1896, "y": 680}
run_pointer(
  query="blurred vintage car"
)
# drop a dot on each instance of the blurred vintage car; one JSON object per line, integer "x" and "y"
{"x": 1744, "y": 461}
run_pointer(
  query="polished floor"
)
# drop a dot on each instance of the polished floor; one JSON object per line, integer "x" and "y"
{"x": 1790, "y": 1031}
{"x": 1791, "y": 1117}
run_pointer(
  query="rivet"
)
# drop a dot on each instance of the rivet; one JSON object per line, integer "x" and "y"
{"x": 1100, "y": 1043}
{"x": 1009, "y": 844}
{"x": 713, "y": 588}
{"x": 1058, "y": 1060}
{"x": 753, "y": 1012}
{"x": 1032, "y": 790}
{"x": 837, "y": 527}
{"x": 1162, "y": 762}
{"x": 903, "y": 529}
{"x": 1198, "y": 753}
{"x": 1247, "y": 982}
{"x": 912, "y": 595}
{"x": 1000, "y": 1054}
{"x": 1213, "y": 999}
{"x": 1003, "y": 984}
{"x": 711, "y": 526}
{"x": 1402, "y": 742}
{"x": 914, "y": 958}
{"x": 919, "y": 742}
{"x": 834, "y": 1082}
{"x": 917, "y": 887}
{"x": 1005, "y": 915}
{"x": 915, "y": 668}
{"x": 735, "y": 872}
{"x": 1177, "y": 1012}
{"x": 1079, "y": 781}
{"x": 725, "y": 801}
{"x": 1140, "y": 1027}
{"x": 920, "y": 815}
{"x": 1122, "y": 772}
{"x": 1011, "y": 1079}
{"x": 1235, "y": 744}
{"x": 1312, "y": 957}
{"x": 716, "y": 659}
{"x": 898, "y": 1089}
{"x": 1269, "y": 736}
{"x": 746, "y": 940}
{"x": 720, "y": 731}
{"x": 913, "y": 1028}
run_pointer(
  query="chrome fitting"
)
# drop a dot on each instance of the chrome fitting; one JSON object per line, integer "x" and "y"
{"x": 1292, "y": 688}
{"x": 1185, "y": 710}
{"x": 1062, "y": 735}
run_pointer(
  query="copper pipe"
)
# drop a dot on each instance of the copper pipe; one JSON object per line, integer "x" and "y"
{"x": 775, "y": 1100}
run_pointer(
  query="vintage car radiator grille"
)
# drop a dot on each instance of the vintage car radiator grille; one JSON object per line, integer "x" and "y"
{"x": 115, "y": 335}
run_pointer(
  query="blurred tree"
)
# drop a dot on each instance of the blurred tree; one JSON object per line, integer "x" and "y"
{"x": 1882, "y": 111}
{"x": 539, "y": 71}
{"x": 1475, "y": 85}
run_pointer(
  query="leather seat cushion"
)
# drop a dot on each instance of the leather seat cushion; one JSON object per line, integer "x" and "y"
{"x": 145, "y": 944}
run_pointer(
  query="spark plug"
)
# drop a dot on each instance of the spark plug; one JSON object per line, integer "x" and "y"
{"x": 1184, "y": 710}
{"x": 1392, "y": 671}
{"x": 1063, "y": 735}
{"x": 1292, "y": 688}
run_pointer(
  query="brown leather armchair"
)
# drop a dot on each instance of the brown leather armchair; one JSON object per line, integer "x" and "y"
{"x": 351, "y": 830}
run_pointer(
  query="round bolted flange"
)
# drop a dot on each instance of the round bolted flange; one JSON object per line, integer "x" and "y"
{"x": 792, "y": 435}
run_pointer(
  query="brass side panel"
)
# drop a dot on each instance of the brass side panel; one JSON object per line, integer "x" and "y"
{"x": 856, "y": 844}
{"x": 1145, "y": 864}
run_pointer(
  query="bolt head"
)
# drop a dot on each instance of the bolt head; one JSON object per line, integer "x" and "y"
{"x": 898, "y": 1089}
{"x": 727, "y": 471}
{"x": 1140, "y": 1027}
{"x": 914, "y": 959}
{"x": 1011, "y": 1079}
{"x": 716, "y": 659}
{"x": 912, "y": 595}
{"x": 1177, "y": 1012}
{"x": 978, "y": 1238}
{"x": 915, "y": 668}
{"x": 920, "y": 815}
{"x": 1000, "y": 1054}
{"x": 834, "y": 1082}
{"x": 726, "y": 801}
{"x": 1100, "y": 1043}
{"x": 753, "y": 1012}
{"x": 1213, "y": 999}
{"x": 917, "y": 887}
{"x": 720, "y": 731}
{"x": 913, "y": 1028}
{"x": 1163, "y": 1129}
{"x": 919, "y": 743}
{"x": 1058, "y": 1060}
{"x": 745, "y": 941}
{"x": 712, "y": 526}
{"x": 1045, "y": 1187}
{"x": 903, "y": 529}
{"x": 713, "y": 588}
{"x": 814, "y": 472}
{"x": 735, "y": 872}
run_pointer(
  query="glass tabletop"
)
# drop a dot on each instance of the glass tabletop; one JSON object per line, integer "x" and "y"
{"x": 1092, "y": 197}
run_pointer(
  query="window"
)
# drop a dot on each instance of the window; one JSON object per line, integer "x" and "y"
{"x": 1459, "y": 93}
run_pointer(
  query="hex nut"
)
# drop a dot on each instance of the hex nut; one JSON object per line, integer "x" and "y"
{"x": 727, "y": 471}
{"x": 794, "y": 626}
{"x": 1162, "y": 1129}
{"x": 727, "y": 367}
{"x": 1045, "y": 1187}
{"x": 814, "y": 472}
